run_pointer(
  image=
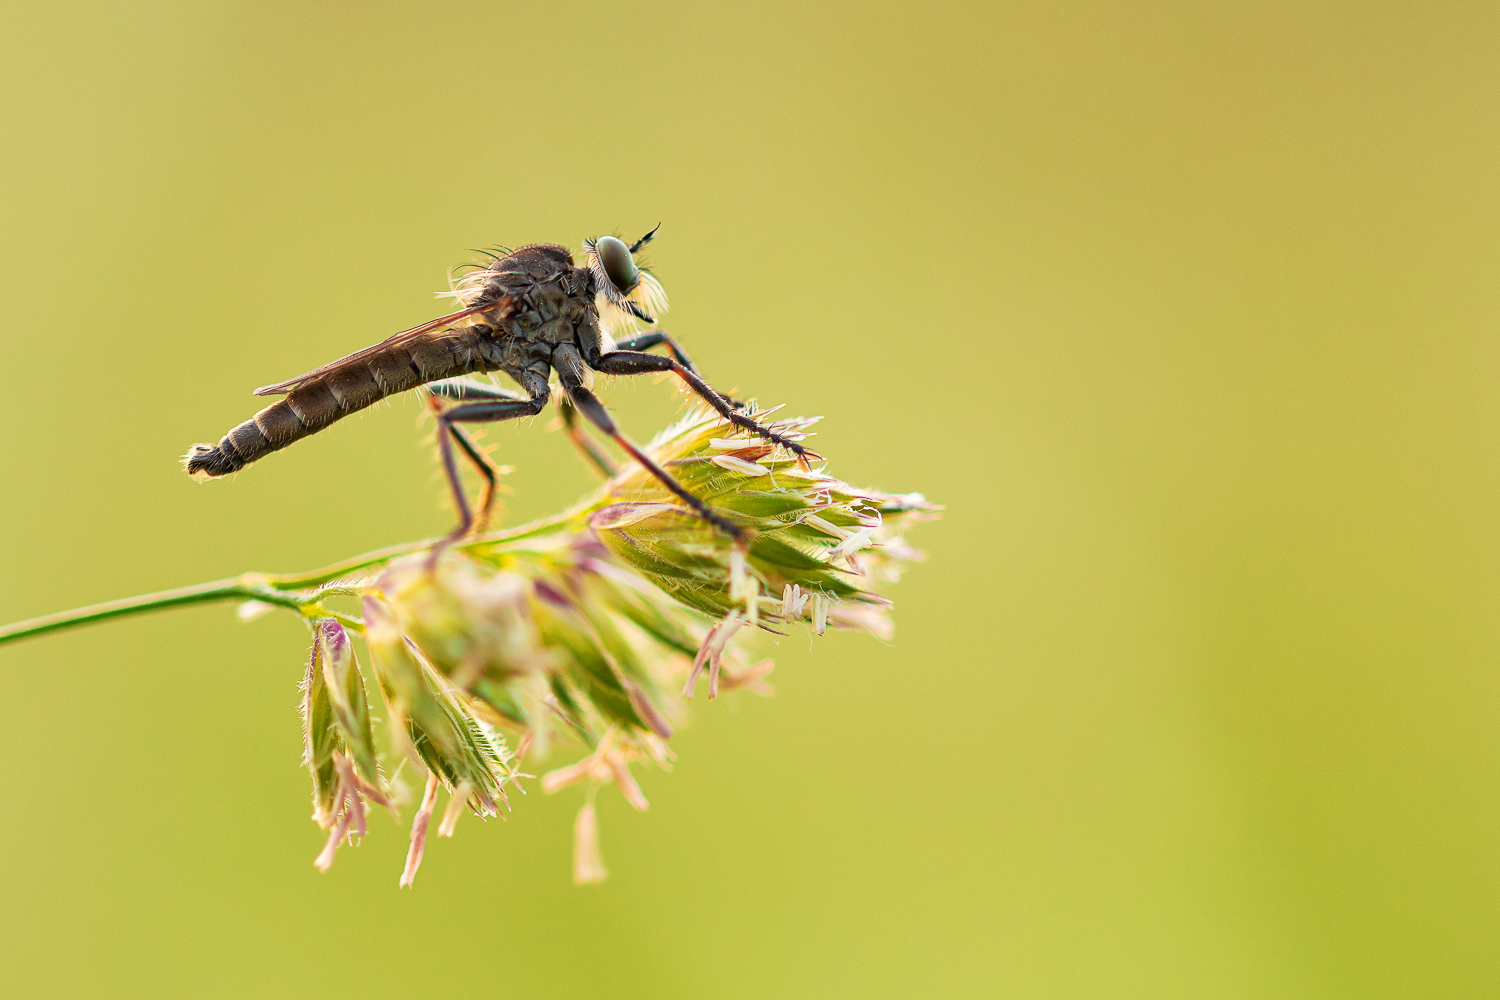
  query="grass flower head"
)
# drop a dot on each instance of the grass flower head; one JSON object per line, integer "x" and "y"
{"x": 585, "y": 630}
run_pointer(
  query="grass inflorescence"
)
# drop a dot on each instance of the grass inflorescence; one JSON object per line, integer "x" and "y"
{"x": 589, "y": 630}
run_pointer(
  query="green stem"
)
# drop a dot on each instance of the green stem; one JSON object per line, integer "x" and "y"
{"x": 300, "y": 592}
{"x": 203, "y": 593}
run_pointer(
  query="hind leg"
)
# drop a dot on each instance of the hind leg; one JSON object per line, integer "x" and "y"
{"x": 477, "y": 459}
{"x": 486, "y": 409}
{"x": 468, "y": 390}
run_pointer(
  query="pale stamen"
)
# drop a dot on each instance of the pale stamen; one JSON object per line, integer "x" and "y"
{"x": 324, "y": 860}
{"x": 628, "y": 787}
{"x": 419, "y": 831}
{"x": 736, "y": 573}
{"x": 825, "y": 527}
{"x": 739, "y": 465}
{"x": 721, "y": 637}
{"x": 698, "y": 661}
{"x": 752, "y": 678}
{"x": 588, "y": 866}
{"x": 852, "y": 544}
{"x": 354, "y": 801}
{"x": 456, "y": 803}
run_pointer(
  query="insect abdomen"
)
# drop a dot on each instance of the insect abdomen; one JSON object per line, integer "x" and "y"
{"x": 309, "y": 408}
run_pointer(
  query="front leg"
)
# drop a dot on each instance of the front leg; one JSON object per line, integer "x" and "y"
{"x": 636, "y": 363}
{"x": 652, "y": 338}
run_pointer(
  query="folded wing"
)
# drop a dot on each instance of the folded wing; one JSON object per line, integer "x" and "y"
{"x": 416, "y": 333}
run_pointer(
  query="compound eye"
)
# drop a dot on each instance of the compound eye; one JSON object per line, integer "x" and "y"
{"x": 618, "y": 264}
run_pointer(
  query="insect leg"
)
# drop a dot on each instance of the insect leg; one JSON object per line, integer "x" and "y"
{"x": 482, "y": 412}
{"x": 476, "y": 458}
{"x": 468, "y": 390}
{"x": 635, "y": 363}
{"x": 486, "y": 469}
{"x": 455, "y": 484}
{"x": 582, "y": 442}
{"x": 570, "y": 370}
{"x": 463, "y": 389}
{"x": 651, "y": 338}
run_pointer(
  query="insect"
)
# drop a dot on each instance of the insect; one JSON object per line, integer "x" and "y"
{"x": 528, "y": 313}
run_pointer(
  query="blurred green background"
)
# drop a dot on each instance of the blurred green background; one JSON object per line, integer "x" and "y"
{"x": 1187, "y": 312}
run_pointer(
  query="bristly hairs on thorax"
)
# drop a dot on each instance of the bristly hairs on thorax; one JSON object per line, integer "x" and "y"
{"x": 619, "y": 312}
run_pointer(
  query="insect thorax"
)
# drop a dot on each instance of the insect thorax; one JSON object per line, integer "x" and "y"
{"x": 551, "y": 302}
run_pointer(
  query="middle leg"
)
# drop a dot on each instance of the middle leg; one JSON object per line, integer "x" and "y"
{"x": 581, "y": 440}
{"x": 570, "y": 370}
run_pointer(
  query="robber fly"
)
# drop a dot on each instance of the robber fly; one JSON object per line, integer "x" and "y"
{"x": 529, "y": 313}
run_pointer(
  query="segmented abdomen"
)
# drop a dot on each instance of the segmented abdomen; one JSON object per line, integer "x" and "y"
{"x": 311, "y": 407}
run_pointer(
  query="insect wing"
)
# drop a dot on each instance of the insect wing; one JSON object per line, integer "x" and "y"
{"x": 404, "y": 337}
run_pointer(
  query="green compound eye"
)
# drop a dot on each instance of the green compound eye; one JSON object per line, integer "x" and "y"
{"x": 618, "y": 264}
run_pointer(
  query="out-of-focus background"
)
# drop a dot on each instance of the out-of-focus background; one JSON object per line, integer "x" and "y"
{"x": 1187, "y": 312}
